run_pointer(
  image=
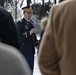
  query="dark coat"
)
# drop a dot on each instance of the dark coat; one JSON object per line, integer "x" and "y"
{"x": 8, "y": 33}
{"x": 26, "y": 44}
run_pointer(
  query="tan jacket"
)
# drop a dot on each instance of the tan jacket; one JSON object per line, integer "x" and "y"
{"x": 57, "y": 53}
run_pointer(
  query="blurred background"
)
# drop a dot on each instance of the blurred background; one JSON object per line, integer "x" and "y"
{"x": 40, "y": 9}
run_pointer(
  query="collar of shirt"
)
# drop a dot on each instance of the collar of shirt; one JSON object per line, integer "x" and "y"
{"x": 27, "y": 19}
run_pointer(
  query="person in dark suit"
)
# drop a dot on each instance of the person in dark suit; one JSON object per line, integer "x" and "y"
{"x": 8, "y": 32}
{"x": 27, "y": 36}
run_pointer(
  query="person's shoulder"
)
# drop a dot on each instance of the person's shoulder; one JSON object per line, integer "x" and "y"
{"x": 19, "y": 21}
{"x": 61, "y": 5}
{"x": 2, "y": 9}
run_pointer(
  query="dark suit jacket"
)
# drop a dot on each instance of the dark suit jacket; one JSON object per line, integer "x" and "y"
{"x": 26, "y": 44}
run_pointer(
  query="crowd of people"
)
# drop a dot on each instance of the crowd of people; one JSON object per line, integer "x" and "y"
{"x": 56, "y": 47}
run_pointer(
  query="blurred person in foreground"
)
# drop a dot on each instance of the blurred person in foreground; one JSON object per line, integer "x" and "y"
{"x": 27, "y": 36}
{"x": 57, "y": 52}
{"x": 12, "y": 61}
{"x": 8, "y": 33}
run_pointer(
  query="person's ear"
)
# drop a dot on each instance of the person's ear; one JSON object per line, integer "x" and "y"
{"x": 23, "y": 12}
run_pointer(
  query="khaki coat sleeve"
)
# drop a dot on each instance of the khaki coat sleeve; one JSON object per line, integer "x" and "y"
{"x": 47, "y": 58}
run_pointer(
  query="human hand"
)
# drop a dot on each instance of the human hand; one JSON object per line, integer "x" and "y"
{"x": 32, "y": 31}
{"x": 25, "y": 34}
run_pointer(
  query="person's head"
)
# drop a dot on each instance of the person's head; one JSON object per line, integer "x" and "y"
{"x": 44, "y": 22}
{"x": 27, "y": 12}
{"x": 8, "y": 33}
